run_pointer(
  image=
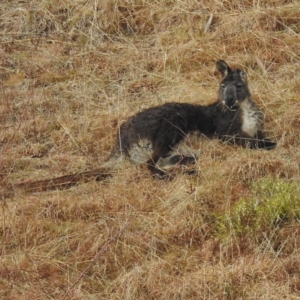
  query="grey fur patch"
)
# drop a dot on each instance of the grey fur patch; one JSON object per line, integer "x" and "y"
{"x": 140, "y": 152}
{"x": 252, "y": 118}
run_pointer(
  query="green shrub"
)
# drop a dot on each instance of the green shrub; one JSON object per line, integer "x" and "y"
{"x": 274, "y": 203}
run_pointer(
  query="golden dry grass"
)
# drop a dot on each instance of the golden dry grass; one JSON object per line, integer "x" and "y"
{"x": 71, "y": 72}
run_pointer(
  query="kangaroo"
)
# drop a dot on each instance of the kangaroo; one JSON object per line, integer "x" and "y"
{"x": 152, "y": 134}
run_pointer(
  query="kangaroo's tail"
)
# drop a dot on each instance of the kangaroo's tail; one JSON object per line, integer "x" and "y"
{"x": 63, "y": 182}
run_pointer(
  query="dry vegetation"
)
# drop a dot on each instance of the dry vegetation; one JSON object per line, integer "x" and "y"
{"x": 71, "y": 72}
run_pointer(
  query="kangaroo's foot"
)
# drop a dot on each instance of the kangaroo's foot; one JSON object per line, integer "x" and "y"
{"x": 182, "y": 160}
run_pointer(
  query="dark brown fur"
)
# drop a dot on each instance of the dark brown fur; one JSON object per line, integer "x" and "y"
{"x": 157, "y": 130}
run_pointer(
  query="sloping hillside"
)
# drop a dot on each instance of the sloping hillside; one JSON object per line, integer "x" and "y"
{"x": 71, "y": 73}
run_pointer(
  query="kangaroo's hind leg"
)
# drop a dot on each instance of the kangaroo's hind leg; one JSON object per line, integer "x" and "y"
{"x": 182, "y": 160}
{"x": 181, "y": 155}
{"x": 173, "y": 162}
{"x": 157, "y": 153}
{"x": 167, "y": 138}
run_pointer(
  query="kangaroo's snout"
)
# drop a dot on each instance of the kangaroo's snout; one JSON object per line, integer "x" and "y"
{"x": 230, "y": 96}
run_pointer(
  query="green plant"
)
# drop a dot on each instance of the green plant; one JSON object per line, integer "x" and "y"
{"x": 273, "y": 203}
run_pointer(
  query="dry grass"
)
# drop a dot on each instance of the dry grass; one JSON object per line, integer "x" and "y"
{"x": 71, "y": 72}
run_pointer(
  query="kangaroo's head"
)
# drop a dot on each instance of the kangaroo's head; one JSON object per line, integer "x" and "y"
{"x": 233, "y": 87}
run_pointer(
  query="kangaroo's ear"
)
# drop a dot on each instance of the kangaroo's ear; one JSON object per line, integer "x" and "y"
{"x": 243, "y": 76}
{"x": 223, "y": 68}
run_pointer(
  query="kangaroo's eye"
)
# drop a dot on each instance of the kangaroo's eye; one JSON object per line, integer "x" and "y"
{"x": 239, "y": 86}
{"x": 222, "y": 85}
